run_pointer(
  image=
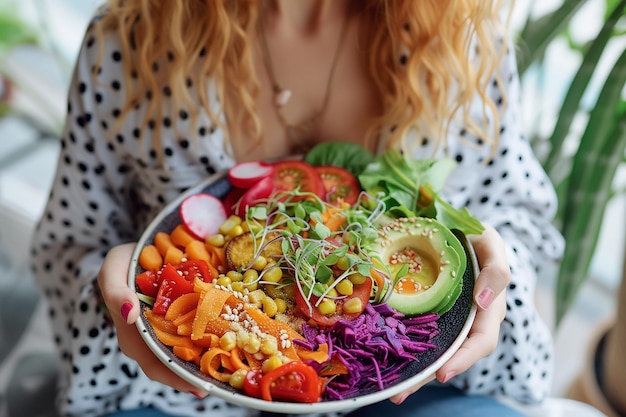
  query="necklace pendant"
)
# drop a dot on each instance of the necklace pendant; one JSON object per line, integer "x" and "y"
{"x": 282, "y": 97}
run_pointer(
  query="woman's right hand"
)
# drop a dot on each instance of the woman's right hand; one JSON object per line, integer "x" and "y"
{"x": 123, "y": 304}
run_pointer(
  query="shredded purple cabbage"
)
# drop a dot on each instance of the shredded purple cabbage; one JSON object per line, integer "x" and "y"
{"x": 375, "y": 347}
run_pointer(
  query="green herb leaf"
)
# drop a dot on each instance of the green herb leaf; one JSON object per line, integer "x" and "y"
{"x": 349, "y": 156}
{"x": 323, "y": 273}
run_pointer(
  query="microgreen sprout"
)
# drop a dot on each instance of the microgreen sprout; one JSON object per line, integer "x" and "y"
{"x": 310, "y": 250}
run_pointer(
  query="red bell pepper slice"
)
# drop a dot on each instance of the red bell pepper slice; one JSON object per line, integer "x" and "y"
{"x": 293, "y": 381}
{"x": 173, "y": 285}
{"x": 147, "y": 283}
{"x": 195, "y": 267}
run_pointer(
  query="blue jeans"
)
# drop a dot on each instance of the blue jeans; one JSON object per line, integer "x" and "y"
{"x": 427, "y": 402}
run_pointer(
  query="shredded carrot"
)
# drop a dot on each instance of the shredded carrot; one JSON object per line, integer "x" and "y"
{"x": 320, "y": 355}
{"x": 191, "y": 354}
{"x": 209, "y": 309}
{"x": 185, "y": 318}
{"x": 185, "y": 329}
{"x": 252, "y": 361}
{"x": 236, "y": 360}
{"x": 159, "y": 322}
{"x": 275, "y": 327}
{"x": 210, "y": 364}
{"x": 208, "y": 340}
{"x": 380, "y": 281}
{"x": 335, "y": 367}
{"x": 217, "y": 255}
{"x": 170, "y": 339}
{"x": 226, "y": 363}
{"x": 335, "y": 222}
{"x": 182, "y": 305}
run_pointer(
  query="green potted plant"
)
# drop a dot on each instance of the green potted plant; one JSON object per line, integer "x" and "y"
{"x": 584, "y": 179}
{"x": 27, "y": 92}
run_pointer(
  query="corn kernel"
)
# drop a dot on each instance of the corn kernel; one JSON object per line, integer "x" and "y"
{"x": 259, "y": 263}
{"x": 269, "y": 345}
{"x": 332, "y": 292}
{"x": 235, "y": 276}
{"x": 353, "y": 305}
{"x": 228, "y": 341}
{"x": 273, "y": 274}
{"x": 345, "y": 287}
{"x": 327, "y": 307}
{"x": 357, "y": 279}
{"x": 269, "y": 306}
{"x": 242, "y": 338}
{"x": 237, "y": 286}
{"x": 224, "y": 281}
{"x": 250, "y": 279}
{"x": 281, "y": 305}
{"x": 256, "y": 297}
{"x": 235, "y": 231}
{"x": 229, "y": 224}
{"x": 343, "y": 263}
{"x": 217, "y": 240}
{"x": 271, "y": 363}
{"x": 253, "y": 345}
{"x": 237, "y": 378}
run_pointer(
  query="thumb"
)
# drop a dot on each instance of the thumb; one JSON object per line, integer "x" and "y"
{"x": 119, "y": 298}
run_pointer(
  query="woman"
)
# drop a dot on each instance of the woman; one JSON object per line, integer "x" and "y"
{"x": 166, "y": 93}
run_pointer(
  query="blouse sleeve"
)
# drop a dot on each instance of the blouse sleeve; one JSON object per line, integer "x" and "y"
{"x": 511, "y": 192}
{"x": 101, "y": 196}
{"x": 86, "y": 214}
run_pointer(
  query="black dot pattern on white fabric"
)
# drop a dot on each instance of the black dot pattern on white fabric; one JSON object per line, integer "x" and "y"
{"x": 110, "y": 184}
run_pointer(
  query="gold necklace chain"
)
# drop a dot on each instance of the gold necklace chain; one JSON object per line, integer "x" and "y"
{"x": 302, "y": 136}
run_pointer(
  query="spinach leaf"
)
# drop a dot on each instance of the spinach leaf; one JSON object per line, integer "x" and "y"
{"x": 349, "y": 156}
{"x": 409, "y": 188}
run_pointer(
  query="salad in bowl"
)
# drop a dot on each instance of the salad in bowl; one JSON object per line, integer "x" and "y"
{"x": 316, "y": 284}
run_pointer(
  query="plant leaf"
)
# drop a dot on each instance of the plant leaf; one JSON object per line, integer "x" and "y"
{"x": 600, "y": 151}
{"x": 537, "y": 34}
{"x": 578, "y": 87}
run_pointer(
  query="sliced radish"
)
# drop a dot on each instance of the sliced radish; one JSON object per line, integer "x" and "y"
{"x": 246, "y": 174}
{"x": 202, "y": 214}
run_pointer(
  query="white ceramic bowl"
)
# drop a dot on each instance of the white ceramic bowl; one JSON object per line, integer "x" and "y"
{"x": 454, "y": 327}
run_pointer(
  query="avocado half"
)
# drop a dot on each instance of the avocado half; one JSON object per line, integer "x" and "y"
{"x": 436, "y": 260}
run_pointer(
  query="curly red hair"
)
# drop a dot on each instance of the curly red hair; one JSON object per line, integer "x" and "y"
{"x": 210, "y": 42}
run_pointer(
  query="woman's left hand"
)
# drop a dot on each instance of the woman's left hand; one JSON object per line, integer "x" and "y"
{"x": 490, "y": 297}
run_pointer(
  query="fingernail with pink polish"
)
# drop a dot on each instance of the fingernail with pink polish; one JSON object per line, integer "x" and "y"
{"x": 126, "y": 307}
{"x": 484, "y": 298}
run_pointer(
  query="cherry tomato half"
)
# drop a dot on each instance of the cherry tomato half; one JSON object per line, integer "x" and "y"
{"x": 292, "y": 174}
{"x": 293, "y": 381}
{"x": 339, "y": 184}
{"x": 361, "y": 291}
{"x": 288, "y": 175}
{"x": 252, "y": 383}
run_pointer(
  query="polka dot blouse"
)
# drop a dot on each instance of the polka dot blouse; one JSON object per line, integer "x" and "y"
{"x": 109, "y": 185}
